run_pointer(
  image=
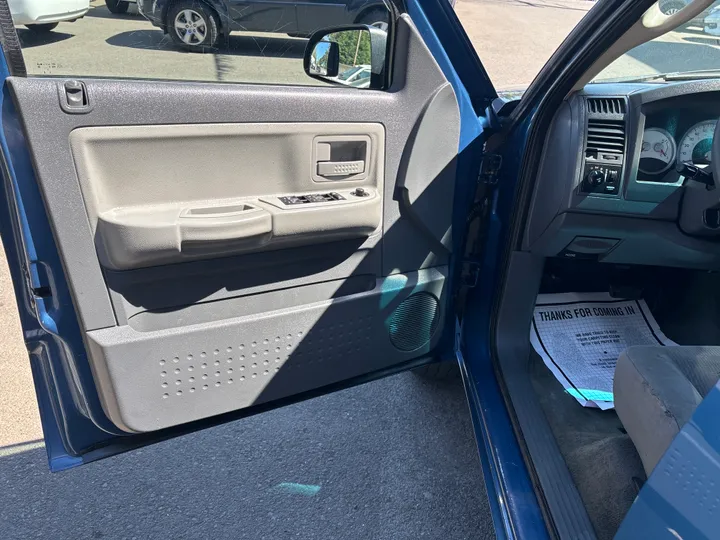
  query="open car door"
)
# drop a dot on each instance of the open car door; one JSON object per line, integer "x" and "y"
{"x": 185, "y": 254}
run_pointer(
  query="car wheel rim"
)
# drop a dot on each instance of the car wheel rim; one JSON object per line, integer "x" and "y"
{"x": 191, "y": 27}
{"x": 671, "y": 11}
{"x": 382, "y": 25}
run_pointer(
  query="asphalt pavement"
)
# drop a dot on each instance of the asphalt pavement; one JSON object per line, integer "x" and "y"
{"x": 393, "y": 459}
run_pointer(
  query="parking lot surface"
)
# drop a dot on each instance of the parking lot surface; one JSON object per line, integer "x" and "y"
{"x": 394, "y": 459}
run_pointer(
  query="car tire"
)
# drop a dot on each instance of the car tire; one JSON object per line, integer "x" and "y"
{"x": 669, "y": 8}
{"x": 375, "y": 17}
{"x": 201, "y": 16}
{"x": 42, "y": 28}
{"x": 447, "y": 370}
{"x": 117, "y": 7}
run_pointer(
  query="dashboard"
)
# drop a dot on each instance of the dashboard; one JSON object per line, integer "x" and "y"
{"x": 677, "y": 131}
{"x": 619, "y": 181}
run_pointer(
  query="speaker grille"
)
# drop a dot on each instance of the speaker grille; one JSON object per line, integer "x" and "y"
{"x": 414, "y": 321}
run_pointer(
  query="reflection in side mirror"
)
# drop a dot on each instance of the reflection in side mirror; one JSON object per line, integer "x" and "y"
{"x": 350, "y": 56}
{"x": 325, "y": 59}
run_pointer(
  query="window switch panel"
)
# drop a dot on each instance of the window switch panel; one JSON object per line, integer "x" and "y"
{"x": 291, "y": 200}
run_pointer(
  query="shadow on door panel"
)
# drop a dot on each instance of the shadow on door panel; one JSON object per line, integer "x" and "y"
{"x": 171, "y": 342}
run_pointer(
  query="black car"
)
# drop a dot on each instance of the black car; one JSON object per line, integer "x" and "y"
{"x": 197, "y": 26}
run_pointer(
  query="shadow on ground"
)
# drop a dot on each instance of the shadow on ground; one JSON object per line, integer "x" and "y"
{"x": 707, "y": 40}
{"x": 665, "y": 57}
{"x": 546, "y": 4}
{"x": 238, "y": 45}
{"x": 30, "y": 38}
{"x": 101, "y": 12}
{"x": 392, "y": 459}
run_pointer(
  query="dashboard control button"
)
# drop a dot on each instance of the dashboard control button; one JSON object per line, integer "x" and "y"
{"x": 601, "y": 180}
{"x": 596, "y": 177}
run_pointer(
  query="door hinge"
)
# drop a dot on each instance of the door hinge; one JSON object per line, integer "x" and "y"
{"x": 486, "y": 181}
{"x": 489, "y": 169}
{"x": 477, "y": 224}
{"x": 470, "y": 274}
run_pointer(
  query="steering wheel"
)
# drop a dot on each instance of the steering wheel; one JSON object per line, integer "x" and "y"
{"x": 715, "y": 155}
{"x": 700, "y": 207}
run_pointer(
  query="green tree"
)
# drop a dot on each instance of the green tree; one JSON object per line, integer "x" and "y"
{"x": 354, "y": 46}
{"x": 323, "y": 60}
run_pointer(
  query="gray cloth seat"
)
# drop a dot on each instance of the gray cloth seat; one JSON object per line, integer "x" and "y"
{"x": 656, "y": 391}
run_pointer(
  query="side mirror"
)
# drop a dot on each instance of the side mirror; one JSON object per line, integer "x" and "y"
{"x": 348, "y": 56}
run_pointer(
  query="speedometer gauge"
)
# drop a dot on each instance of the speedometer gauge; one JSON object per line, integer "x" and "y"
{"x": 696, "y": 144}
{"x": 657, "y": 153}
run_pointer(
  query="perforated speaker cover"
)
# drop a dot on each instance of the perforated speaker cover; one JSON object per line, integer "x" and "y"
{"x": 414, "y": 321}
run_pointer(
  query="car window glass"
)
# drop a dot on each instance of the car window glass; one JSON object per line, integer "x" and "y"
{"x": 515, "y": 38}
{"x": 209, "y": 40}
{"x": 693, "y": 46}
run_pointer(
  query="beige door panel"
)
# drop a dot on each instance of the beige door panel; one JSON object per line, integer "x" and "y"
{"x": 162, "y": 194}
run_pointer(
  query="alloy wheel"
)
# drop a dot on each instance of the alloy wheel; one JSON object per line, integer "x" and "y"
{"x": 191, "y": 27}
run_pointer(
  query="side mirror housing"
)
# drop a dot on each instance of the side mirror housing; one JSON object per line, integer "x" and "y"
{"x": 348, "y": 56}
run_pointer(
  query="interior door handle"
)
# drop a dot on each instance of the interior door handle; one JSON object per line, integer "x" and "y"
{"x": 340, "y": 168}
{"x": 207, "y": 226}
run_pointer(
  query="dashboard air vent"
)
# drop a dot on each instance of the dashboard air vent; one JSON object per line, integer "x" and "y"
{"x": 605, "y": 136}
{"x": 606, "y": 105}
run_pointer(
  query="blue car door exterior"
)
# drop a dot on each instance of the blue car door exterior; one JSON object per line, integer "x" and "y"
{"x": 63, "y": 378}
